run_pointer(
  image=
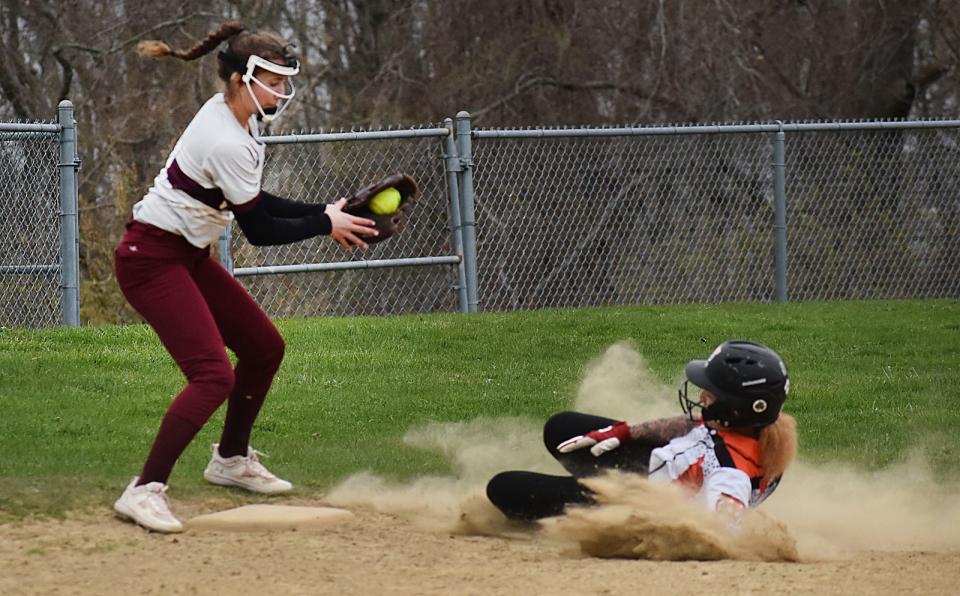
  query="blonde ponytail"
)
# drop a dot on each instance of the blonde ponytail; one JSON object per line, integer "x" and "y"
{"x": 155, "y": 49}
{"x": 778, "y": 446}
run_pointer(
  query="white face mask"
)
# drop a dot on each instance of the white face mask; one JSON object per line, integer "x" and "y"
{"x": 254, "y": 62}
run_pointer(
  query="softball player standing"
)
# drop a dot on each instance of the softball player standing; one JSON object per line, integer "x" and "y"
{"x": 196, "y": 307}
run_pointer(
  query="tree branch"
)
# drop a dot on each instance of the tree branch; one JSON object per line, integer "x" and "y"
{"x": 67, "y": 70}
{"x": 521, "y": 86}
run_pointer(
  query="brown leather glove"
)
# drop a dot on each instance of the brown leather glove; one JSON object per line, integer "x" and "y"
{"x": 389, "y": 224}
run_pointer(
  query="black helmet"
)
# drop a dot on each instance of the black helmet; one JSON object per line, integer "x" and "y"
{"x": 748, "y": 379}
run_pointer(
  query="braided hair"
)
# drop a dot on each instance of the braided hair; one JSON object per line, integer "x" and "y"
{"x": 241, "y": 44}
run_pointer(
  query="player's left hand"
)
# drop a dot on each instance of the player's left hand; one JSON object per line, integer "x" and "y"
{"x": 346, "y": 229}
{"x": 599, "y": 441}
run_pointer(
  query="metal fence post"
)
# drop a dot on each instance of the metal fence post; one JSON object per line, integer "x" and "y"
{"x": 780, "y": 214}
{"x": 69, "y": 231}
{"x": 469, "y": 223}
{"x": 452, "y": 166}
{"x": 223, "y": 246}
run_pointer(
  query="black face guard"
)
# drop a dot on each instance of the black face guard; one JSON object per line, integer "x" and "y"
{"x": 686, "y": 404}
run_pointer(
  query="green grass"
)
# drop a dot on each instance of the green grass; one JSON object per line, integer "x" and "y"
{"x": 79, "y": 407}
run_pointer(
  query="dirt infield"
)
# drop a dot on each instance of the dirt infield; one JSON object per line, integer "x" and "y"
{"x": 830, "y": 529}
{"x": 380, "y": 553}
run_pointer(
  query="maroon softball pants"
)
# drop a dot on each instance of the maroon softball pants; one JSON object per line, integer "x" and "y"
{"x": 198, "y": 309}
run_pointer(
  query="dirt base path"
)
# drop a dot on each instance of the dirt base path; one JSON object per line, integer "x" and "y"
{"x": 377, "y": 553}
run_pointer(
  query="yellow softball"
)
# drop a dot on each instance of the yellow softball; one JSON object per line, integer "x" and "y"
{"x": 385, "y": 202}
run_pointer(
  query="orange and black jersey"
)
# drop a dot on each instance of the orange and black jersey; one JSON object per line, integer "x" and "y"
{"x": 712, "y": 463}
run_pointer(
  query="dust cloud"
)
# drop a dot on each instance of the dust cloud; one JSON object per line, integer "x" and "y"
{"x": 619, "y": 384}
{"x": 639, "y": 519}
{"x": 476, "y": 450}
{"x": 835, "y": 510}
{"x": 820, "y": 511}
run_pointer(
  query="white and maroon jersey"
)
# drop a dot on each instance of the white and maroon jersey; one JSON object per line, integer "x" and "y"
{"x": 215, "y": 168}
{"x": 711, "y": 463}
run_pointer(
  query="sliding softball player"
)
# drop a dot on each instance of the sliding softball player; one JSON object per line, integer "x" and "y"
{"x": 730, "y": 456}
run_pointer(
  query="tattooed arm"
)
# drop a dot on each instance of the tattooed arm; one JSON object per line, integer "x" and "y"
{"x": 654, "y": 432}
{"x": 661, "y": 430}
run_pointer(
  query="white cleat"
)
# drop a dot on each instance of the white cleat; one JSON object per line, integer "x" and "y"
{"x": 244, "y": 472}
{"x": 148, "y": 506}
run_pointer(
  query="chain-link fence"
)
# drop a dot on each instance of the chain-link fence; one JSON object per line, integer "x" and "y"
{"x": 534, "y": 218}
{"x": 687, "y": 214}
{"x": 416, "y": 271}
{"x": 874, "y": 214}
{"x": 38, "y": 207}
{"x": 578, "y": 221}
{"x": 587, "y": 217}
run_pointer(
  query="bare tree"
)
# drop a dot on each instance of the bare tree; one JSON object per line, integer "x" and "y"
{"x": 509, "y": 63}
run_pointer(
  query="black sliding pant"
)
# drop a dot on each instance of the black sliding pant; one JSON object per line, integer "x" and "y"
{"x": 530, "y": 495}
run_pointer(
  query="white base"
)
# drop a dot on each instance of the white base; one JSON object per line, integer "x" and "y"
{"x": 254, "y": 518}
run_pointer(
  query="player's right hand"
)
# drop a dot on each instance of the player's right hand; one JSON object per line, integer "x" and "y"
{"x": 346, "y": 228}
{"x": 599, "y": 441}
